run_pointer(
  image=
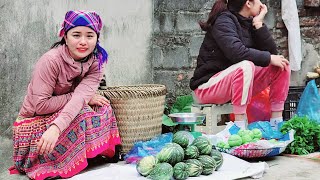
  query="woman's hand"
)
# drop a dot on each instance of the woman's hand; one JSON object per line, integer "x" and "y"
{"x": 279, "y": 61}
{"x": 98, "y": 100}
{"x": 48, "y": 140}
{"x": 258, "y": 19}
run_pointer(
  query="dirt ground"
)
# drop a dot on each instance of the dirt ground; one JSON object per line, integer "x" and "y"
{"x": 283, "y": 168}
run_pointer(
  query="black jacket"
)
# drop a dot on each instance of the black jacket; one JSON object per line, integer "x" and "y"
{"x": 230, "y": 40}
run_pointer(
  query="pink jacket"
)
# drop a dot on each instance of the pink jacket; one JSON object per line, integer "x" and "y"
{"x": 60, "y": 83}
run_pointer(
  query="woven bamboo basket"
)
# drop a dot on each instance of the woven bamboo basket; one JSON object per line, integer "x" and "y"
{"x": 138, "y": 110}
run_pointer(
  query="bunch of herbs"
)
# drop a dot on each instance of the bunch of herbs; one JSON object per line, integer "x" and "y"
{"x": 306, "y": 137}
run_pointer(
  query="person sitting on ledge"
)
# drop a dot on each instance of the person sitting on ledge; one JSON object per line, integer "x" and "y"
{"x": 238, "y": 59}
{"x": 63, "y": 121}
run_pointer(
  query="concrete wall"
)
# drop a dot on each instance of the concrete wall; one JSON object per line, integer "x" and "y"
{"x": 176, "y": 42}
{"x": 139, "y": 53}
{"x": 177, "y": 39}
{"x": 30, "y": 27}
{"x": 310, "y": 37}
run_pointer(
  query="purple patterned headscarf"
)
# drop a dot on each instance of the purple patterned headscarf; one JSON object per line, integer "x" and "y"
{"x": 89, "y": 19}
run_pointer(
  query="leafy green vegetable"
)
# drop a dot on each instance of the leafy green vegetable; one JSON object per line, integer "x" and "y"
{"x": 182, "y": 104}
{"x": 306, "y": 137}
{"x": 167, "y": 121}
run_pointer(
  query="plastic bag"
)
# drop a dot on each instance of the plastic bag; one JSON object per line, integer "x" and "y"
{"x": 259, "y": 107}
{"x": 266, "y": 129}
{"x": 146, "y": 148}
{"x": 309, "y": 104}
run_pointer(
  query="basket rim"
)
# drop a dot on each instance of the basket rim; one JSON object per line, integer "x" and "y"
{"x": 231, "y": 151}
{"x": 134, "y": 91}
{"x": 249, "y": 149}
{"x": 124, "y": 87}
{"x": 258, "y": 149}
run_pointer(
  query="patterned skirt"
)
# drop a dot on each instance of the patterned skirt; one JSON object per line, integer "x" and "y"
{"x": 94, "y": 131}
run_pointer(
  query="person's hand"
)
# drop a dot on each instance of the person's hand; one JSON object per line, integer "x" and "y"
{"x": 279, "y": 61}
{"x": 48, "y": 140}
{"x": 98, "y": 100}
{"x": 258, "y": 19}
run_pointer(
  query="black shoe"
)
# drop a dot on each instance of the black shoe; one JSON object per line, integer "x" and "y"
{"x": 52, "y": 178}
{"x": 98, "y": 160}
{"x": 116, "y": 156}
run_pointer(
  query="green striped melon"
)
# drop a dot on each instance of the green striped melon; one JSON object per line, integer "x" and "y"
{"x": 191, "y": 152}
{"x": 182, "y": 138}
{"x": 208, "y": 163}
{"x": 195, "y": 167}
{"x": 172, "y": 153}
{"x": 217, "y": 156}
{"x": 146, "y": 164}
{"x": 181, "y": 171}
{"x": 203, "y": 144}
{"x": 162, "y": 171}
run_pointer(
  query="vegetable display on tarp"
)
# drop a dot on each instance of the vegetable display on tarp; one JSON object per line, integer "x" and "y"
{"x": 258, "y": 141}
{"x": 306, "y": 137}
{"x": 195, "y": 159}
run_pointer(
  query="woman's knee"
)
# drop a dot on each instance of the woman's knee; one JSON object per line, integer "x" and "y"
{"x": 249, "y": 65}
{"x": 247, "y": 68}
{"x": 286, "y": 72}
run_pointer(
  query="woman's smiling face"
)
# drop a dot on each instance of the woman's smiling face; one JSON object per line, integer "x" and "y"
{"x": 81, "y": 41}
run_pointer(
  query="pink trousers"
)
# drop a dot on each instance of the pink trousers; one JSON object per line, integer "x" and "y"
{"x": 243, "y": 80}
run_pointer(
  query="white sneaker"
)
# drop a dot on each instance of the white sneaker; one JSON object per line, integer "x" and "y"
{"x": 274, "y": 122}
{"x": 241, "y": 124}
